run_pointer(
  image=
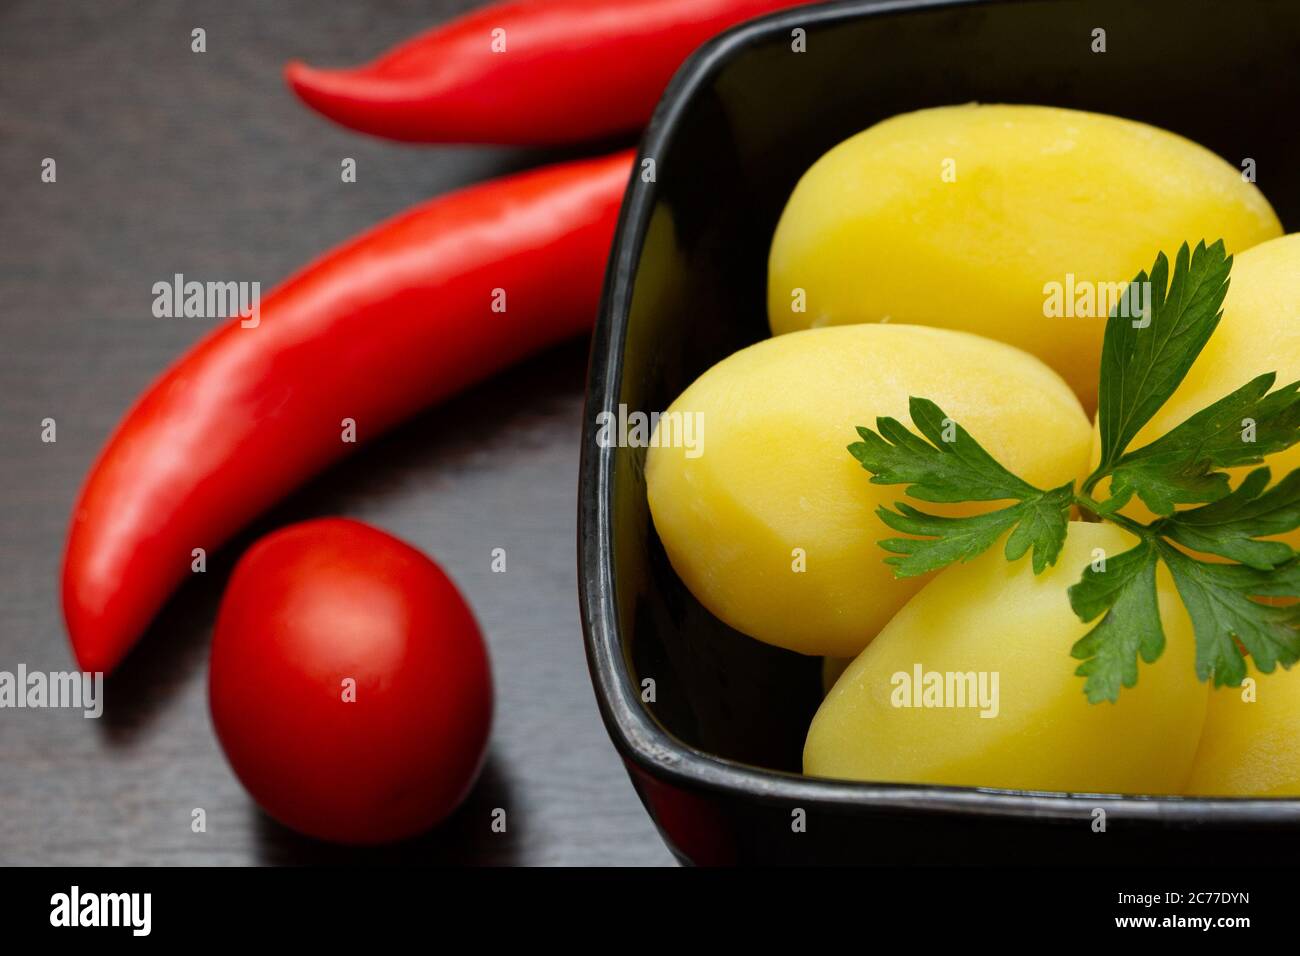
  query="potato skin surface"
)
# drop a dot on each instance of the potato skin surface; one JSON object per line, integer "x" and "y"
{"x": 1251, "y": 748}
{"x": 774, "y": 487}
{"x": 995, "y": 616}
{"x": 961, "y": 216}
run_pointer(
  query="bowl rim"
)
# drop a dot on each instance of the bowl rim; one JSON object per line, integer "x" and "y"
{"x": 640, "y": 740}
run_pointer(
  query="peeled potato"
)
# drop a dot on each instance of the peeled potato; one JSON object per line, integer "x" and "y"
{"x": 1259, "y": 332}
{"x": 991, "y": 617}
{"x": 961, "y": 216}
{"x": 1251, "y": 747}
{"x": 832, "y": 668}
{"x": 772, "y": 523}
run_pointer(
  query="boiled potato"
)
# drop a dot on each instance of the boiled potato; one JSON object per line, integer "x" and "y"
{"x": 994, "y": 617}
{"x": 832, "y": 668}
{"x": 963, "y": 217}
{"x": 1250, "y": 746}
{"x": 771, "y": 523}
{"x": 1259, "y": 332}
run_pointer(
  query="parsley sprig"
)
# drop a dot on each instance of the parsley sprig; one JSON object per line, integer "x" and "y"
{"x": 1144, "y": 359}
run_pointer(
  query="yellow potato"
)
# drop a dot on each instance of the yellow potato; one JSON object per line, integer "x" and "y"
{"x": 1251, "y": 748}
{"x": 1260, "y": 332}
{"x": 994, "y": 617}
{"x": 832, "y": 668}
{"x": 771, "y": 523}
{"x": 964, "y": 217}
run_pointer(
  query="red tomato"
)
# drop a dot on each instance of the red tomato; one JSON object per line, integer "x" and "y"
{"x": 349, "y": 685}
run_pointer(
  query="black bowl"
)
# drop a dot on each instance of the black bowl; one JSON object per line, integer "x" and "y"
{"x": 715, "y": 756}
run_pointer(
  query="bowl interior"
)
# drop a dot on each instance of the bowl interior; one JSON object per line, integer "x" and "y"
{"x": 728, "y": 147}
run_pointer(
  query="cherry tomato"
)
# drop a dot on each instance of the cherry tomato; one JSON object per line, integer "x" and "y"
{"x": 350, "y": 686}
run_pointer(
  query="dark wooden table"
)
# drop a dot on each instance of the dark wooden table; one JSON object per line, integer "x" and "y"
{"x": 202, "y": 163}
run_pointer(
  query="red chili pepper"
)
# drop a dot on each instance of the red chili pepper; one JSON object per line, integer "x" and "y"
{"x": 405, "y": 314}
{"x": 548, "y": 71}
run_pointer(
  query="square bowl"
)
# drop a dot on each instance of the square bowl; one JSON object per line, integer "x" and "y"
{"x": 710, "y": 723}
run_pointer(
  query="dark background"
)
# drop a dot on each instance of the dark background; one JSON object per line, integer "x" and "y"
{"x": 204, "y": 164}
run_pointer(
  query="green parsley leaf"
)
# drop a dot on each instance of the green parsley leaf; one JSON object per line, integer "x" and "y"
{"x": 1039, "y": 522}
{"x": 1044, "y": 522}
{"x": 1143, "y": 362}
{"x": 1144, "y": 359}
{"x": 950, "y": 539}
{"x": 1219, "y": 599}
{"x": 952, "y": 467}
{"x": 1283, "y": 581}
{"x": 1124, "y": 588}
{"x": 1231, "y": 526}
{"x": 1180, "y": 466}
